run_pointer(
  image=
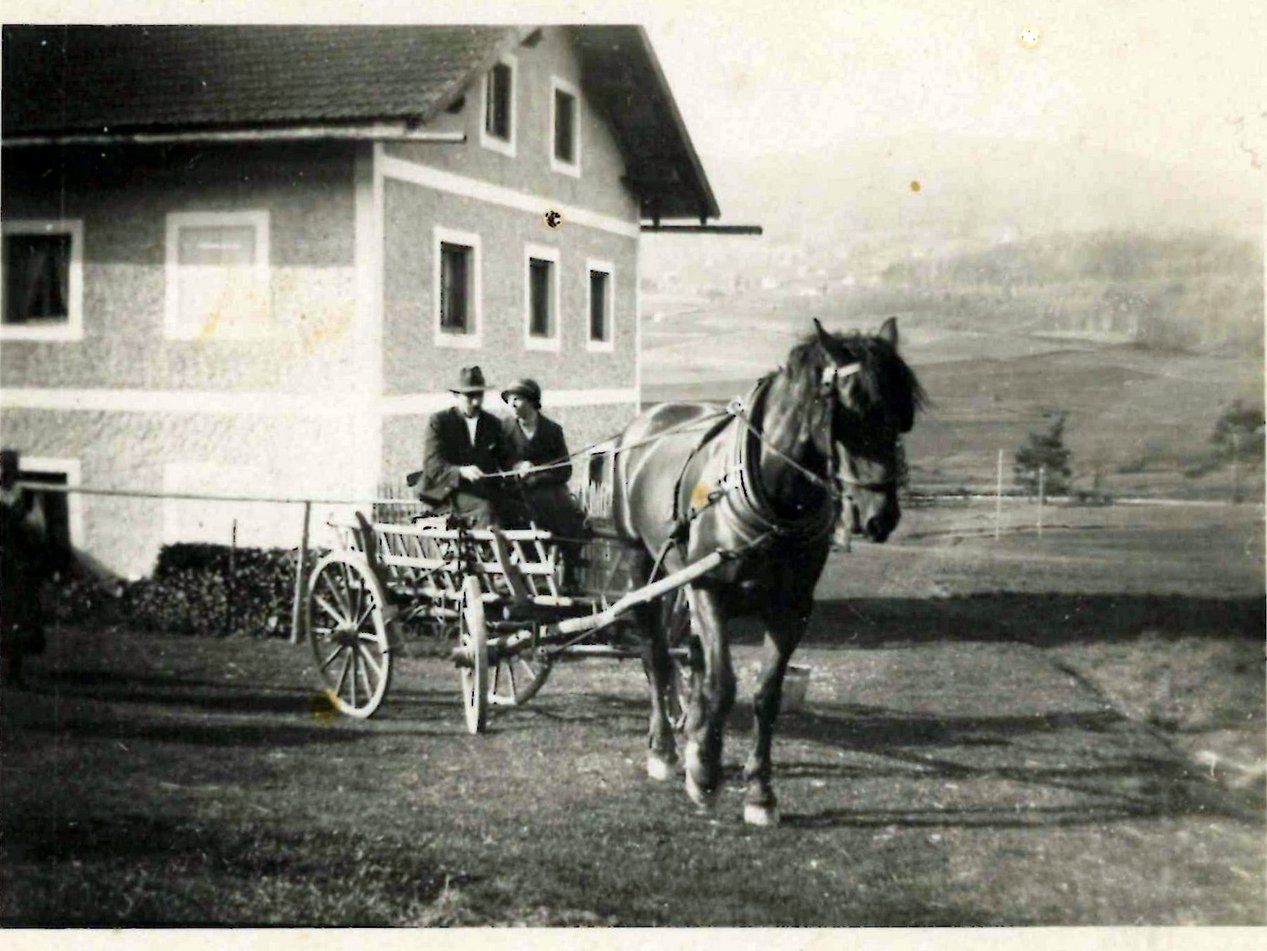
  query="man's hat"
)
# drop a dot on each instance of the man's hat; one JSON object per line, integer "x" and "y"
{"x": 523, "y": 387}
{"x": 470, "y": 380}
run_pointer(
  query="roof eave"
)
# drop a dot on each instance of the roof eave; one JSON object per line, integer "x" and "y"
{"x": 708, "y": 202}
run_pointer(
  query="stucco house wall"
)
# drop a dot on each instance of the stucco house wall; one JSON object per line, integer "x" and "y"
{"x": 138, "y": 410}
{"x": 595, "y": 389}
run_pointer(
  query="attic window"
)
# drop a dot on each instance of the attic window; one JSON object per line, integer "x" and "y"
{"x": 565, "y": 139}
{"x": 498, "y": 129}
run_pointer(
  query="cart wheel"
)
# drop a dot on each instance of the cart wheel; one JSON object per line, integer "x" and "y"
{"x": 680, "y": 676}
{"x": 347, "y": 634}
{"x": 473, "y": 636}
{"x": 517, "y": 678}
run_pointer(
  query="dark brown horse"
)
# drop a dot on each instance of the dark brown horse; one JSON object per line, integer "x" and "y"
{"x": 761, "y": 480}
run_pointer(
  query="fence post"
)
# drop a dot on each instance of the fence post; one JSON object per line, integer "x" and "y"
{"x": 998, "y": 497}
{"x": 301, "y": 576}
{"x": 230, "y": 586}
{"x": 1042, "y": 496}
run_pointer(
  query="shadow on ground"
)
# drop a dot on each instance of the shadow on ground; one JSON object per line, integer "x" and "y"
{"x": 1044, "y": 620}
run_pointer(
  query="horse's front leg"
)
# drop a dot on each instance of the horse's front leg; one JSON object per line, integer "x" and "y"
{"x": 783, "y": 632}
{"x": 711, "y": 697}
{"x": 662, "y": 750}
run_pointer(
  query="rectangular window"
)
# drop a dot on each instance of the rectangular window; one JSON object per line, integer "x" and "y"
{"x": 218, "y": 275}
{"x": 42, "y": 284}
{"x": 601, "y": 298}
{"x": 59, "y": 511}
{"x": 497, "y": 105}
{"x": 564, "y": 126}
{"x": 565, "y": 137}
{"x": 497, "y": 131}
{"x": 457, "y": 288}
{"x": 539, "y": 274}
{"x": 541, "y": 298}
{"x": 37, "y": 278}
{"x": 598, "y": 305}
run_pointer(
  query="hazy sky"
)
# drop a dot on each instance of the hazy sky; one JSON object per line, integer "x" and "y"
{"x": 1161, "y": 78}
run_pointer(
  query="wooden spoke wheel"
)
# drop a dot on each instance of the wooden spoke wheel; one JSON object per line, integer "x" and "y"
{"x": 473, "y": 638}
{"x": 347, "y": 634}
{"x": 517, "y": 678}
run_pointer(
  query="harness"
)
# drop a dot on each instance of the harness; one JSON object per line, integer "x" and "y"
{"x": 741, "y": 499}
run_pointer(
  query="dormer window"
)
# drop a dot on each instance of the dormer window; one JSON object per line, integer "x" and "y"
{"x": 565, "y": 137}
{"x": 498, "y": 129}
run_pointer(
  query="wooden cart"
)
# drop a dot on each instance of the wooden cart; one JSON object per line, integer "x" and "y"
{"x": 507, "y": 598}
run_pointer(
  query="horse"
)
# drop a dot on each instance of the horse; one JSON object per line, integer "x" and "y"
{"x": 817, "y": 440}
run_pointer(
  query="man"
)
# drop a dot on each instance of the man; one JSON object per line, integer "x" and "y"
{"x": 532, "y": 439}
{"x": 464, "y": 445}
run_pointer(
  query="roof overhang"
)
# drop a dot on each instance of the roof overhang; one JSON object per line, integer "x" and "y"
{"x": 621, "y": 73}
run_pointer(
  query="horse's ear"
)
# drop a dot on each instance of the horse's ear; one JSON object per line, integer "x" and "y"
{"x": 824, "y": 337}
{"x": 888, "y": 332}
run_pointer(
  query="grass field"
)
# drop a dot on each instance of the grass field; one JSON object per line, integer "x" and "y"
{"x": 979, "y": 748}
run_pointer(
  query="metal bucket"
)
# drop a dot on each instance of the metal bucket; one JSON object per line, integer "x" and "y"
{"x": 795, "y": 686}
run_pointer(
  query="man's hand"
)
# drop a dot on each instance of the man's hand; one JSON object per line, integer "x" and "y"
{"x": 471, "y": 473}
{"x": 522, "y": 468}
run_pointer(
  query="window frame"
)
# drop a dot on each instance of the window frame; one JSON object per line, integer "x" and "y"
{"x": 608, "y": 344}
{"x": 554, "y": 342}
{"x": 72, "y": 328}
{"x": 70, "y": 467}
{"x": 488, "y": 140}
{"x": 474, "y": 338}
{"x": 174, "y": 325}
{"x": 573, "y": 168}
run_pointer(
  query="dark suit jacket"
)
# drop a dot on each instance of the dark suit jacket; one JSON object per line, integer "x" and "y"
{"x": 547, "y": 445}
{"x": 448, "y": 447}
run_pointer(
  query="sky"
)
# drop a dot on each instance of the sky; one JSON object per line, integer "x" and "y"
{"x": 1160, "y": 79}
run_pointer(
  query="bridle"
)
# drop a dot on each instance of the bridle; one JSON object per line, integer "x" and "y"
{"x": 831, "y": 375}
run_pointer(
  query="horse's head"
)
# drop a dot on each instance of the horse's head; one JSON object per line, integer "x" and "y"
{"x": 872, "y": 397}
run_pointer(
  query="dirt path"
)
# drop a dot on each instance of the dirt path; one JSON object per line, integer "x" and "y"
{"x": 155, "y": 780}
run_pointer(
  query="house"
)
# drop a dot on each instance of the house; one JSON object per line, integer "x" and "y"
{"x": 249, "y": 260}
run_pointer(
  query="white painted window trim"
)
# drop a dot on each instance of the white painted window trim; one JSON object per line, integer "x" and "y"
{"x": 74, "y": 501}
{"x": 552, "y": 343}
{"x": 174, "y": 328}
{"x": 474, "y": 338}
{"x": 504, "y": 146}
{"x": 572, "y": 168}
{"x": 605, "y": 267}
{"x": 73, "y": 327}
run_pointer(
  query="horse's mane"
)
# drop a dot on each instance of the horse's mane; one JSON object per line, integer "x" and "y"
{"x": 887, "y": 381}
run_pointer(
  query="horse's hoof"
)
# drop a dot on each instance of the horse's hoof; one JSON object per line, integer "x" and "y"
{"x": 659, "y": 768}
{"x": 756, "y": 814}
{"x": 704, "y": 799}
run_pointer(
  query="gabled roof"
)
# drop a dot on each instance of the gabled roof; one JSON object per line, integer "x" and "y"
{"x": 64, "y": 79}
{"x": 59, "y": 81}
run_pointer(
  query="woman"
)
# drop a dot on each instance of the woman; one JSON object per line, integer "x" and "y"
{"x": 532, "y": 439}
